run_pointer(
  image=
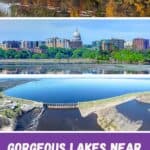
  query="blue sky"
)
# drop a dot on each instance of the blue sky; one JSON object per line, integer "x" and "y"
{"x": 90, "y": 29}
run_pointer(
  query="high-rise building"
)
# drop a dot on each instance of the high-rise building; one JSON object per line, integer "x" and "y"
{"x": 76, "y": 41}
{"x": 118, "y": 43}
{"x": 112, "y": 44}
{"x": 56, "y": 42}
{"x": 12, "y": 44}
{"x": 128, "y": 45}
{"x": 106, "y": 45}
{"x": 96, "y": 44}
{"x": 31, "y": 44}
{"x": 140, "y": 44}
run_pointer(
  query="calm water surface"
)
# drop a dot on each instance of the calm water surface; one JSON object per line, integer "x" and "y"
{"x": 73, "y": 69}
{"x": 75, "y": 90}
{"x": 136, "y": 112}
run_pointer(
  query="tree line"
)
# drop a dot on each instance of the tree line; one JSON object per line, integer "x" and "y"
{"x": 114, "y": 56}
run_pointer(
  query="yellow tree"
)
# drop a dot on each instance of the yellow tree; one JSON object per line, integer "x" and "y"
{"x": 111, "y": 8}
{"x": 140, "y": 9}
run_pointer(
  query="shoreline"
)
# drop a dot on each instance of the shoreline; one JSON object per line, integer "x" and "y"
{"x": 37, "y": 61}
{"x": 69, "y": 60}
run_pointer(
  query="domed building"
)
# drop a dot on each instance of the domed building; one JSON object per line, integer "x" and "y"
{"x": 76, "y": 41}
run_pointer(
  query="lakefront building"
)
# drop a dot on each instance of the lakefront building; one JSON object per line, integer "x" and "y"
{"x": 128, "y": 44}
{"x": 118, "y": 43}
{"x": 31, "y": 44}
{"x": 111, "y": 44}
{"x": 141, "y": 44}
{"x": 56, "y": 42}
{"x": 12, "y": 44}
{"x": 106, "y": 45}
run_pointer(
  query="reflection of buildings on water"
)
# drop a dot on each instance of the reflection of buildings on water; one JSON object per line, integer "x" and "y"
{"x": 59, "y": 68}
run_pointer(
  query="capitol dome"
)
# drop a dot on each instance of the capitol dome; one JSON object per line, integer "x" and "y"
{"x": 76, "y": 36}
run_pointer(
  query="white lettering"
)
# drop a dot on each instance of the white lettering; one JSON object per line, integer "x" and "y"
{"x": 80, "y": 147}
{"x": 25, "y": 146}
{"x": 62, "y": 146}
{"x": 103, "y": 146}
{"x": 123, "y": 146}
{"x": 33, "y": 146}
{"x": 137, "y": 146}
{"x": 71, "y": 146}
{"x": 10, "y": 146}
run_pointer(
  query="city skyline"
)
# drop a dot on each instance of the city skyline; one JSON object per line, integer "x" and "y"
{"x": 90, "y": 30}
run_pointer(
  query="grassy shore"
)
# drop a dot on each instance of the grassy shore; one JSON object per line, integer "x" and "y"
{"x": 37, "y": 61}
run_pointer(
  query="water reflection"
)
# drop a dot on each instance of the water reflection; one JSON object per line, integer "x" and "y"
{"x": 73, "y": 69}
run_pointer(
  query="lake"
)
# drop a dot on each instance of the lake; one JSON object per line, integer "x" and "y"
{"x": 69, "y": 90}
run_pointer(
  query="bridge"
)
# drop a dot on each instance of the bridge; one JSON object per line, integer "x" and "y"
{"x": 61, "y": 105}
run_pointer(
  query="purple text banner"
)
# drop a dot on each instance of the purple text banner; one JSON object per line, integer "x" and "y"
{"x": 74, "y": 141}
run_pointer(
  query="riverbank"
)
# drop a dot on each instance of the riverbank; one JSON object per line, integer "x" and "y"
{"x": 11, "y": 108}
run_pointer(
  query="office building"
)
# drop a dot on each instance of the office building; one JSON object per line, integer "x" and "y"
{"x": 58, "y": 42}
{"x": 12, "y": 44}
{"x": 106, "y": 45}
{"x": 96, "y": 44}
{"x": 118, "y": 43}
{"x": 141, "y": 44}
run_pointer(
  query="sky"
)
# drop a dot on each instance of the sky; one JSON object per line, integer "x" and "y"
{"x": 91, "y": 30}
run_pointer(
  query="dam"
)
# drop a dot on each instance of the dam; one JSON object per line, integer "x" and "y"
{"x": 61, "y": 105}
